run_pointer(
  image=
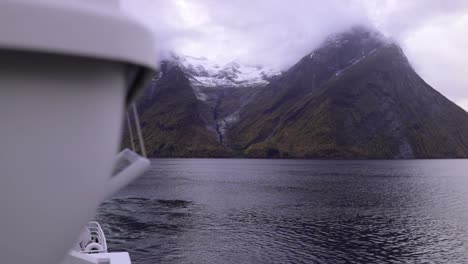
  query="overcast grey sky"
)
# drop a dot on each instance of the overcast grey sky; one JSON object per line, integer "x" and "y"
{"x": 433, "y": 33}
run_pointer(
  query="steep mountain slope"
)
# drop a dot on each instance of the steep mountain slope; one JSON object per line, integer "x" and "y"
{"x": 338, "y": 52}
{"x": 190, "y": 105}
{"x": 355, "y": 97}
{"x": 173, "y": 120}
{"x": 223, "y": 89}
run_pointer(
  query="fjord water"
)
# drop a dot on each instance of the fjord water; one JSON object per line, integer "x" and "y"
{"x": 292, "y": 211}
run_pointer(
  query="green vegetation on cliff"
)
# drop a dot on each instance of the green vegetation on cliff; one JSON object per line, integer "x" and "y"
{"x": 354, "y": 97}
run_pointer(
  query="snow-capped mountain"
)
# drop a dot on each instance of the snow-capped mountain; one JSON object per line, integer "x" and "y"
{"x": 355, "y": 96}
{"x": 206, "y": 73}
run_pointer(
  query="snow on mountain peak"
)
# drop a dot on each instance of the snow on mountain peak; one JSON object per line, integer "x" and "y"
{"x": 206, "y": 73}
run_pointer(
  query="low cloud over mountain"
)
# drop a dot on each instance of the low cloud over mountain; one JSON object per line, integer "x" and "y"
{"x": 277, "y": 33}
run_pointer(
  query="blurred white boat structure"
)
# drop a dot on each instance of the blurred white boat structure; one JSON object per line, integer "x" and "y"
{"x": 91, "y": 248}
{"x": 69, "y": 70}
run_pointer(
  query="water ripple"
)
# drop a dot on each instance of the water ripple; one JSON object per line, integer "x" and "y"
{"x": 365, "y": 213}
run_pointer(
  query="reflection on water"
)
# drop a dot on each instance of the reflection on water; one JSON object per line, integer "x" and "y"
{"x": 283, "y": 211}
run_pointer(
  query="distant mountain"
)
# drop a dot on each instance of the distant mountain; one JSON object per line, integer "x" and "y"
{"x": 356, "y": 96}
{"x": 205, "y": 73}
{"x": 173, "y": 119}
{"x": 189, "y": 106}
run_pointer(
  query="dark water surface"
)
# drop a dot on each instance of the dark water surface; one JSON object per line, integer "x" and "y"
{"x": 293, "y": 211}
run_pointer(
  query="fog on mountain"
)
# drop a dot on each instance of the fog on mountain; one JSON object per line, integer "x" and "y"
{"x": 355, "y": 96}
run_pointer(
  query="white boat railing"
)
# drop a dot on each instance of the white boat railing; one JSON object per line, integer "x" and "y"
{"x": 97, "y": 243}
{"x": 92, "y": 249}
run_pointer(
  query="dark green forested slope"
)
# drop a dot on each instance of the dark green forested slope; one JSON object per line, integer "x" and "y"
{"x": 260, "y": 120}
{"x": 354, "y": 97}
{"x": 172, "y": 119}
{"x": 377, "y": 108}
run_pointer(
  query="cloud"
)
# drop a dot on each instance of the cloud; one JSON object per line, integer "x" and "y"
{"x": 438, "y": 52}
{"x": 271, "y": 32}
{"x": 277, "y": 32}
{"x": 400, "y": 17}
{"x": 463, "y": 103}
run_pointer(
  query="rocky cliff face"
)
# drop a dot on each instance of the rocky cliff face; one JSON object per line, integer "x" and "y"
{"x": 356, "y": 96}
{"x": 174, "y": 122}
{"x": 223, "y": 89}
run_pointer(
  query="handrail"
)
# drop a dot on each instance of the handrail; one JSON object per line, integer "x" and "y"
{"x": 97, "y": 236}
